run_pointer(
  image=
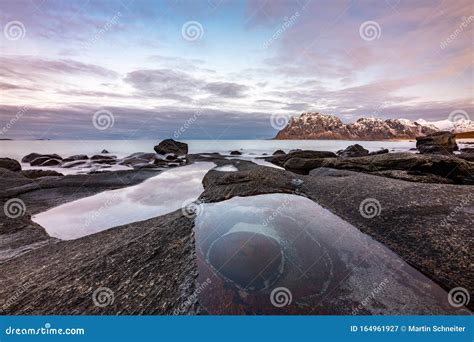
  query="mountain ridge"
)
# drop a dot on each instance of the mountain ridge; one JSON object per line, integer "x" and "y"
{"x": 318, "y": 126}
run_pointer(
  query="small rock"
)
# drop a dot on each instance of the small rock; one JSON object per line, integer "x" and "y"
{"x": 100, "y": 157}
{"x": 278, "y": 152}
{"x": 32, "y": 156}
{"x": 171, "y": 146}
{"x": 235, "y": 153}
{"x": 104, "y": 151}
{"x": 353, "y": 151}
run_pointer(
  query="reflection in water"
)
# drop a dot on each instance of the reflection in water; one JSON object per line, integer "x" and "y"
{"x": 284, "y": 254}
{"x": 156, "y": 196}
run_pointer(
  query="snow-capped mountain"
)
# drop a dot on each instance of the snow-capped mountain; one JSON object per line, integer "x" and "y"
{"x": 457, "y": 126}
{"x": 322, "y": 126}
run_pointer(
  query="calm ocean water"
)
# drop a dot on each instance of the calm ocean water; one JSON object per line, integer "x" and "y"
{"x": 16, "y": 149}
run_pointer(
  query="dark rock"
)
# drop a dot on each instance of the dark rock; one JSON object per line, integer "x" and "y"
{"x": 171, "y": 157}
{"x": 142, "y": 155}
{"x": 438, "y": 143}
{"x": 171, "y": 146}
{"x": 353, "y": 151}
{"x": 467, "y": 150}
{"x": 101, "y": 157}
{"x": 10, "y": 164}
{"x": 75, "y": 157}
{"x": 32, "y": 156}
{"x": 306, "y": 154}
{"x": 466, "y": 156}
{"x": 451, "y": 167}
{"x": 45, "y": 161}
{"x": 104, "y": 151}
{"x": 50, "y": 162}
{"x": 235, "y": 153}
{"x": 413, "y": 149}
{"x": 382, "y": 151}
{"x": 278, "y": 152}
{"x": 34, "y": 174}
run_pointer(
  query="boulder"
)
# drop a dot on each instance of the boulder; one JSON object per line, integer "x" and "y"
{"x": 75, "y": 157}
{"x": 75, "y": 163}
{"x": 171, "y": 146}
{"x": 32, "y": 156}
{"x": 104, "y": 151}
{"x": 438, "y": 143}
{"x": 10, "y": 164}
{"x": 235, "y": 153}
{"x": 278, "y": 152}
{"x": 353, "y": 151}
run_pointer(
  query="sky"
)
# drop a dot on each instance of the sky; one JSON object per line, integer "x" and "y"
{"x": 227, "y": 69}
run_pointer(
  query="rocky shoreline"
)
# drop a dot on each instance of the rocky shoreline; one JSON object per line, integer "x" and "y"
{"x": 426, "y": 208}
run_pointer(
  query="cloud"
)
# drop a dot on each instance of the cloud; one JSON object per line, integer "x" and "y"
{"x": 226, "y": 89}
